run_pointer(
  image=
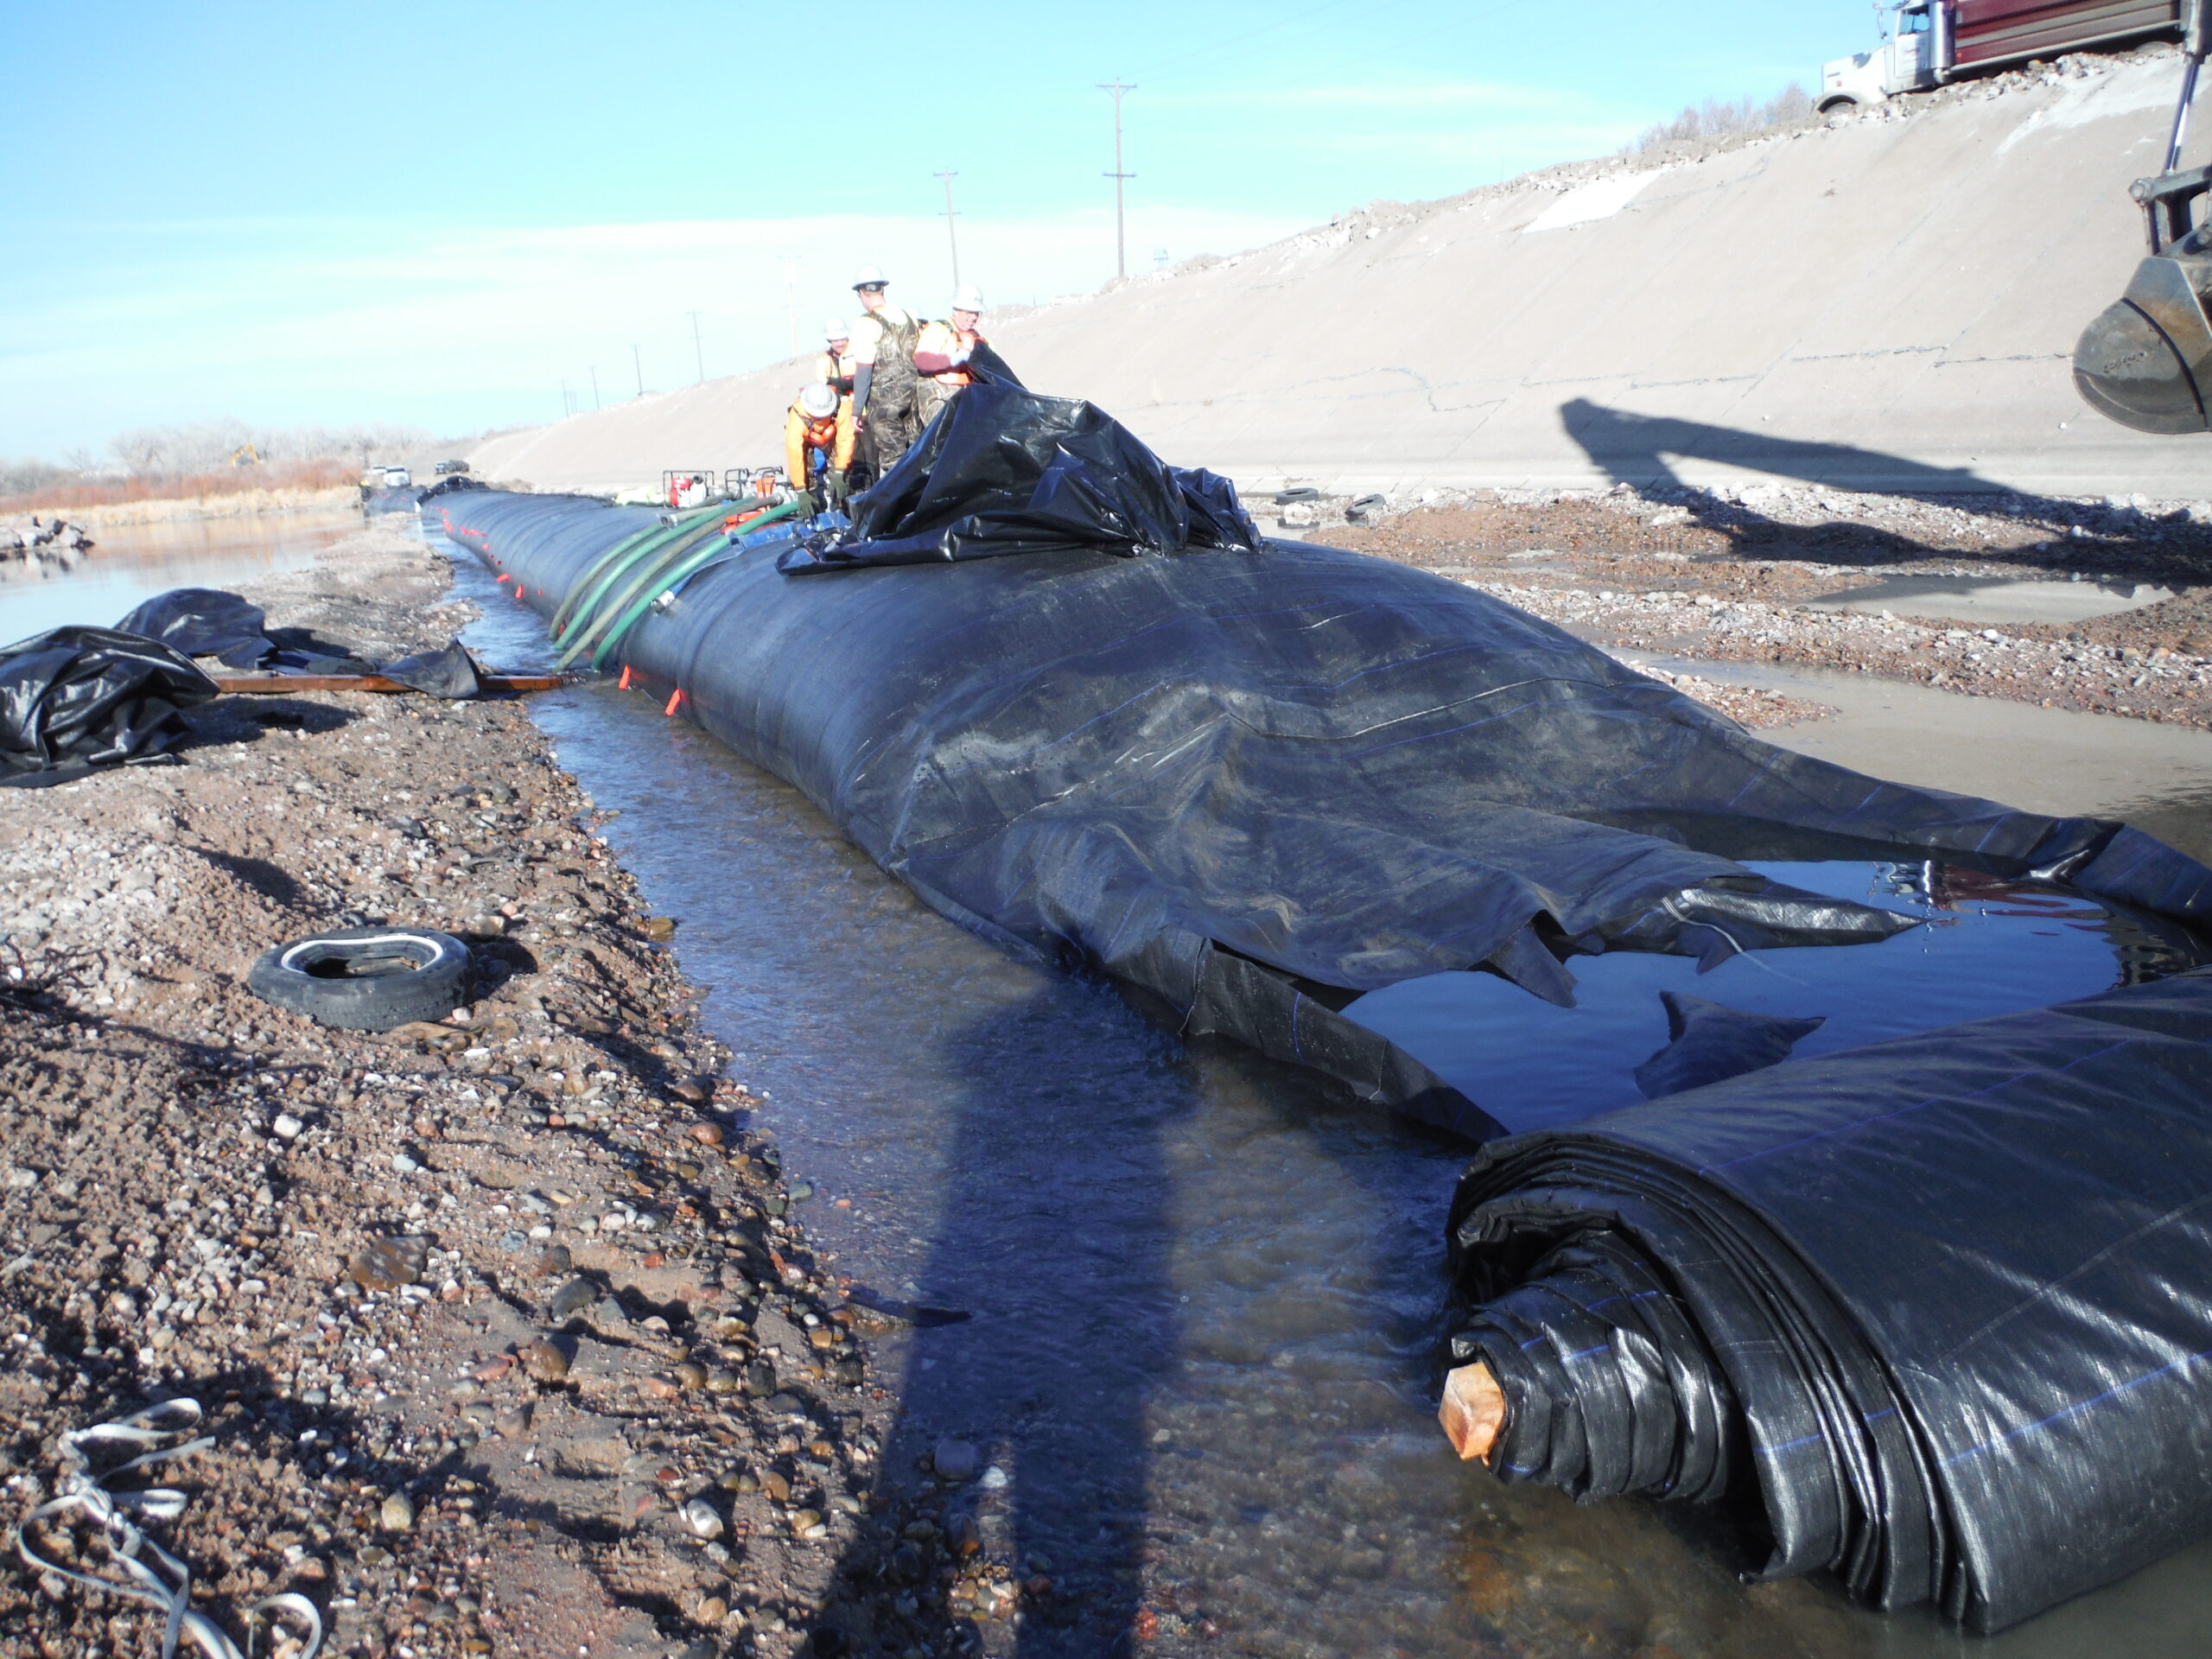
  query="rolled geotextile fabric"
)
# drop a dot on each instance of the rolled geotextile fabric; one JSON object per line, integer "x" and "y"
{"x": 1946, "y": 1302}
{"x": 1045, "y": 684}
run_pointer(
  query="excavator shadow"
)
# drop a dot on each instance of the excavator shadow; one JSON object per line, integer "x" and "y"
{"x": 1644, "y": 450}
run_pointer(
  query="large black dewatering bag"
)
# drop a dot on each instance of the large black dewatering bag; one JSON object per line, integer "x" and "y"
{"x": 1943, "y": 1300}
{"x": 1257, "y": 784}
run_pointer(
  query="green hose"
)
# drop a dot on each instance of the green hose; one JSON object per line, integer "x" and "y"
{"x": 683, "y": 569}
{"x": 642, "y": 570}
{"x": 584, "y": 596}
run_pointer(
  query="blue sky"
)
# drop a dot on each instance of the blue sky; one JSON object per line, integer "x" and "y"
{"x": 434, "y": 214}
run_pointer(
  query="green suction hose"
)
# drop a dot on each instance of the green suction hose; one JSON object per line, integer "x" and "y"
{"x": 584, "y": 597}
{"x": 640, "y": 571}
{"x": 683, "y": 569}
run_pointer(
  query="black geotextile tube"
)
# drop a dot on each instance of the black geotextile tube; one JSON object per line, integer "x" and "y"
{"x": 1946, "y": 1300}
{"x": 1256, "y": 783}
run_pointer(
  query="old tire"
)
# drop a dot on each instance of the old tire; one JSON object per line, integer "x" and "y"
{"x": 365, "y": 978}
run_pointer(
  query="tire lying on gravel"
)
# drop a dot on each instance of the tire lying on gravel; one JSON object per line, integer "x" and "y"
{"x": 365, "y": 978}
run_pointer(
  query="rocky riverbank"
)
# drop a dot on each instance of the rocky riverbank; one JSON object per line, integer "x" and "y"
{"x": 505, "y": 1333}
{"x": 1733, "y": 576}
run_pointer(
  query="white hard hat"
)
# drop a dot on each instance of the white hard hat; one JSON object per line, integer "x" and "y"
{"x": 835, "y": 330}
{"x": 969, "y": 298}
{"x": 819, "y": 400}
{"x": 869, "y": 276}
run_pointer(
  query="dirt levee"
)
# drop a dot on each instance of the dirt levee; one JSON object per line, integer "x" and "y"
{"x": 1887, "y": 301}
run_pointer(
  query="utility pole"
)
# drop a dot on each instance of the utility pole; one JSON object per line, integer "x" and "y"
{"x": 638, "y": 364}
{"x": 1120, "y": 238}
{"x": 952, "y": 235}
{"x": 698, "y": 350}
{"x": 566, "y": 410}
{"x": 595, "y": 404}
{"x": 790, "y": 296}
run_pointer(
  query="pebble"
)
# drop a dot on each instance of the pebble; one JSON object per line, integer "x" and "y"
{"x": 660, "y": 929}
{"x": 554, "y": 1258}
{"x": 512, "y": 1421}
{"x": 702, "y": 1518}
{"x": 724, "y": 1382}
{"x": 995, "y": 1479}
{"x": 965, "y": 1535}
{"x": 389, "y": 1263}
{"x": 545, "y": 1362}
{"x": 397, "y": 1514}
{"x": 287, "y": 1127}
{"x": 955, "y": 1460}
{"x": 776, "y": 1486}
{"x": 573, "y": 1298}
{"x": 707, "y": 1135}
{"x": 713, "y": 1611}
{"x": 691, "y": 1375}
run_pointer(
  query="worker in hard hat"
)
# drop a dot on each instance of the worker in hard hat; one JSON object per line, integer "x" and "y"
{"x": 818, "y": 442}
{"x": 834, "y": 367}
{"x": 942, "y": 351}
{"x": 884, "y": 382}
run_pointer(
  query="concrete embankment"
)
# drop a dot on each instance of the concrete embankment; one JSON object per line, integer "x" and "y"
{"x": 1883, "y": 302}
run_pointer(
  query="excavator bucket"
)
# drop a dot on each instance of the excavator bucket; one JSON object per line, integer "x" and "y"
{"x": 2146, "y": 361}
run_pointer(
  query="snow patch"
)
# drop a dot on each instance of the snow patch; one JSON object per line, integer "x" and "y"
{"x": 1600, "y": 199}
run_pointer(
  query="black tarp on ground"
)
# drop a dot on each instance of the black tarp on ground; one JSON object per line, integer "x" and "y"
{"x": 211, "y": 622}
{"x": 1256, "y": 784}
{"x": 74, "y": 698}
{"x": 1946, "y": 1301}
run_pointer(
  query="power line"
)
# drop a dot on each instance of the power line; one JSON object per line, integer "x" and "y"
{"x": 950, "y": 234}
{"x": 698, "y": 350}
{"x": 1121, "y": 237}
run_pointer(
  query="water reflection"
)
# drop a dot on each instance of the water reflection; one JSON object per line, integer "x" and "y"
{"x": 132, "y": 562}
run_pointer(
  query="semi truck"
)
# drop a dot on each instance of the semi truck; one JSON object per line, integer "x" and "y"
{"x": 1930, "y": 44}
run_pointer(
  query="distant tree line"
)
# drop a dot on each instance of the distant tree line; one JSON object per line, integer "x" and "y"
{"x": 1717, "y": 118}
{"x": 206, "y": 447}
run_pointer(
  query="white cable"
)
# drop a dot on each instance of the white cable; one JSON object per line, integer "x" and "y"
{"x": 86, "y": 1495}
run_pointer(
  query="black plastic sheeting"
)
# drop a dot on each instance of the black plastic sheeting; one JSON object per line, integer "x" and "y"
{"x": 1007, "y": 471}
{"x": 1256, "y": 784}
{"x": 1945, "y": 1301}
{"x": 76, "y": 698}
{"x": 210, "y": 622}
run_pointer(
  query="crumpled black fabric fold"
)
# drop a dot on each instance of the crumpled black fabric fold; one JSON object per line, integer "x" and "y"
{"x": 204, "y": 622}
{"x": 1948, "y": 1297}
{"x": 1004, "y": 471}
{"x": 74, "y": 698}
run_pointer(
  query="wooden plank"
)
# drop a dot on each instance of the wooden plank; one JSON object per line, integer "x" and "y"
{"x": 266, "y": 685}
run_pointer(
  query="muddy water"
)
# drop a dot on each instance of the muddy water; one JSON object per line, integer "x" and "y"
{"x": 133, "y": 562}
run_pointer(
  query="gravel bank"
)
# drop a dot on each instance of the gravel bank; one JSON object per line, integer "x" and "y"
{"x": 505, "y": 1334}
{"x": 1726, "y": 575}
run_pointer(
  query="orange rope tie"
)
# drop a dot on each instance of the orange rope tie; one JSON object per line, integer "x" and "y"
{"x": 623, "y": 684}
{"x": 673, "y": 700}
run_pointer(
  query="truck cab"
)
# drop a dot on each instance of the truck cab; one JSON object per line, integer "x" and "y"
{"x": 1911, "y": 58}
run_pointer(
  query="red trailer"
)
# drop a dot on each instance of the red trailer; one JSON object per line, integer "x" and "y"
{"x": 1932, "y": 41}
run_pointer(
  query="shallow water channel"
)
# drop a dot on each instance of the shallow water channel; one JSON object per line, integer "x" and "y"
{"x": 1206, "y": 1290}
